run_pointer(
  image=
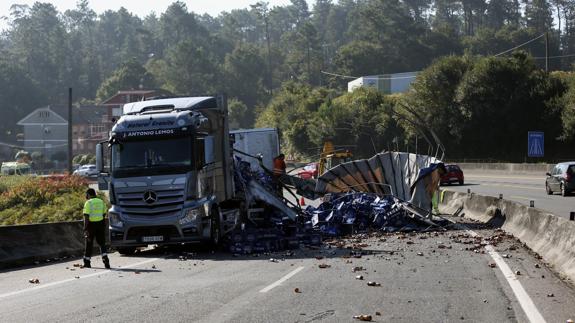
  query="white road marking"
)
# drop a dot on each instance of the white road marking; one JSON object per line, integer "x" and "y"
{"x": 513, "y": 186}
{"x": 523, "y": 197}
{"x": 281, "y": 280}
{"x": 506, "y": 177}
{"x": 60, "y": 282}
{"x": 524, "y": 299}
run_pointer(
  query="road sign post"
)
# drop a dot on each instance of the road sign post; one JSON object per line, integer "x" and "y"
{"x": 535, "y": 144}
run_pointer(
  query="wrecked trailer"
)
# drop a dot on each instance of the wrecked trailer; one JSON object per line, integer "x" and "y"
{"x": 391, "y": 191}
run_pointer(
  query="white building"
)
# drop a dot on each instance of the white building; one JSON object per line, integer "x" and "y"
{"x": 386, "y": 83}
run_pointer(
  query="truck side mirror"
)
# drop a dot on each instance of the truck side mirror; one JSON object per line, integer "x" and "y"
{"x": 100, "y": 158}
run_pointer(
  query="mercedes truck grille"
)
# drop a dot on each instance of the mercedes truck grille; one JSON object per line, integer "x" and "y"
{"x": 152, "y": 202}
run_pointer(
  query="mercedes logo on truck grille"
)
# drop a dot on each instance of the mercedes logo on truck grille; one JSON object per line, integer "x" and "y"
{"x": 150, "y": 197}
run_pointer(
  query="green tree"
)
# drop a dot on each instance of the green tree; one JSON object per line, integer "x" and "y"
{"x": 131, "y": 75}
{"x": 240, "y": 116}
{"x": 20, "y": 95}
{"x": 38, "y": 42}
{"x": 291, "y": 110}
{"x": 189, "y": 69}
{"x": 433, "y": 98}
{"x": 245, "y": 76}
{"x": 510, "y": 95}
{"x": 538, "y": 15}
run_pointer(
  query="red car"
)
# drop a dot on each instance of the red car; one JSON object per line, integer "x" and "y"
{"x": 309, "y": 171}
{"x": 454, "y": 175}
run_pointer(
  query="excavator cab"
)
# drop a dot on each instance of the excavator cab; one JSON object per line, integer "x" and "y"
{"x": 333, "y": 160}
{"x": 330, "y": 157}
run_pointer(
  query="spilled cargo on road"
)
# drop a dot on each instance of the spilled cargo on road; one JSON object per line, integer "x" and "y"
{"x": 389, "y": 192}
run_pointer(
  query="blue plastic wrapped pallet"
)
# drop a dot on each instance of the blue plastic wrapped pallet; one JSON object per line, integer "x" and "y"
{"x": 357, "y": 212}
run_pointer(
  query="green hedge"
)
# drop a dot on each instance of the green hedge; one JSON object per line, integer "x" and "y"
{"x": 28, "y": 200}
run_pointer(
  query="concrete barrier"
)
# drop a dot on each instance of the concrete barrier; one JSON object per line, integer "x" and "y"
{"x": 25, "y": 244}
{"x": 552, "y": 237}
{"x": 539, "y": 169}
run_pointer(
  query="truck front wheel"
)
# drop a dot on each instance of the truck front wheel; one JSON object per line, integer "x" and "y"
{"x": 215, "y": 230}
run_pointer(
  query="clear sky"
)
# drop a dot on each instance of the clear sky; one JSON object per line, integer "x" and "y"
{"x": 142, "y": 8}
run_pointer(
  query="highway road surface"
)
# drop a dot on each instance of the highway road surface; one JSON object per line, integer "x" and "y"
{"x": 518, "y": 188}
{"x": 425, "y": 277}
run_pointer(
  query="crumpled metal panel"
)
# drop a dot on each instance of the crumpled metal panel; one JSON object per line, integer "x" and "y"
{"x": 385, "y": 173}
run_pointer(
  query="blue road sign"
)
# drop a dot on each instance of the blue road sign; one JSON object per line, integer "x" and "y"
{"x": 535, "y": 143}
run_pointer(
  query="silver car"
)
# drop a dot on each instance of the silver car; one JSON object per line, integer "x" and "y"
{"x": 561, "y": 179}
{"x": 86, "y": 170}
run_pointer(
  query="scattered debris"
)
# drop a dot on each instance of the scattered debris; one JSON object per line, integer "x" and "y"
{"x": 297, "y": 290}
{"x": 34, "y": 281}
{"x": 77, "y": 277}
{"x": 506, "y": 256}
{"x": 344, "y": 213}
{"x": 363, "y": 317}
{"x": 323, "y": 266}
{"x": 420, "y": 253}
{"x": 358, "y": 268}
{"x": 359, "y": 277}
{"x": 373, "y": 284}
{"x": 518, "y": 273}
{"x": 492, "y": 265}
{"x": 153, "y": 266}
{"x": 273, "y": 260}
{"x": 537, "y": 266}
{"x": 551, "y": 295}
{"x": 378, "y": 313}
{"x": 77, "y": 265}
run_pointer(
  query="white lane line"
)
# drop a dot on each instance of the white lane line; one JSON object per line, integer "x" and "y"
{"x": 524, "y": 299}
{"x": 522, "y": 197}
{"x": 506, "y": 177}
{"x": 60, "y": 282}
{"x": 514, "y": 186}
{"x": 281, "y": 280}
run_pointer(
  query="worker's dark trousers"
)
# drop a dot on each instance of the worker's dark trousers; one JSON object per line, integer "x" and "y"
{"x": 95, "y": 230}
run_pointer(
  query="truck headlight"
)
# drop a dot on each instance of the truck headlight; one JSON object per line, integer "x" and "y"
{"x": 190, "y": 215}
{"x": 115, "y": 220}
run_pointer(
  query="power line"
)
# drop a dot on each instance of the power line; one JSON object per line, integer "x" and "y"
{"x": 371, "y": 77}
{"x": 413, "y": 76}
{"x": 559, "y": 56}
{"x": 518, "y": 46}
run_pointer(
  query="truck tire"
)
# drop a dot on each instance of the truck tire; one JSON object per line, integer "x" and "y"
{"x": 215, "y": 229}
{"x": 548, "y": 189}
{"x": 127, "y": 251}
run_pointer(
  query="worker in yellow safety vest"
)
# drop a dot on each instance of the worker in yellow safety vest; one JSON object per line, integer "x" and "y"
{"x": 94, "y": 227}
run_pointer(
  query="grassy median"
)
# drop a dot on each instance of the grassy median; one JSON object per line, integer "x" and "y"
{"x": 28, "y": 200}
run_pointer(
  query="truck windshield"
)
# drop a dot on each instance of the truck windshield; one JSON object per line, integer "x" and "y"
{"x": 162, "y": 156}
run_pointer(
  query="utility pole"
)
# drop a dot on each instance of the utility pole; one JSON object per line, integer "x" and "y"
{"x": 70, "y": 131}
{"x": 547, "y": 51}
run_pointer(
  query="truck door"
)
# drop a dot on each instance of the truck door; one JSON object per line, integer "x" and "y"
{"x": 205, "y": 156}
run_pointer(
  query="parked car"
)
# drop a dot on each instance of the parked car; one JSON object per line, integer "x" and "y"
{"x": 454, "y": 174}
{"x": 309, "y": 171}
{"x": 86, "y": 170}
{"x": 561, "y": 179}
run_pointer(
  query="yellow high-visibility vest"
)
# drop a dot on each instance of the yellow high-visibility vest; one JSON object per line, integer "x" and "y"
{"x": 95, "y": 208}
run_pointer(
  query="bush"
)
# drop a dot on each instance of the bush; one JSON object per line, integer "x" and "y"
{"x": 27, "y": 200}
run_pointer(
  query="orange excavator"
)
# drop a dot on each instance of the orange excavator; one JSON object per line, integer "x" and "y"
{"x": 330, "y": 157}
